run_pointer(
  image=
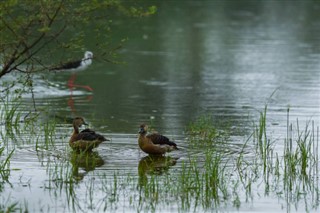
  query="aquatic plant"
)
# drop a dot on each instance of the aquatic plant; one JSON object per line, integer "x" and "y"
{"x": 203, "y": 134}
{"x": 296, "y": 170}
{"x": 203, "y": 128}
{"x": 9, "y": 207}
{"x": 10, "y": 114}
{"x": 5, "y": 166}
{"x": 47, "y": 139}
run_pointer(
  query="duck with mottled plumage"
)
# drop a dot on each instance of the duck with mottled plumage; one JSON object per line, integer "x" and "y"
{"x": 85, "y": 140}
{"x": 154, "y": 143}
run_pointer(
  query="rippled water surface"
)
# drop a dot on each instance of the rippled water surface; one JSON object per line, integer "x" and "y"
{"x": 221, "y": 59}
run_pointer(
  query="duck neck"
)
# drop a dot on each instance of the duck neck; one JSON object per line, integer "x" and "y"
{"x": 142, "y": 135}
{"x": 75, "y": 129}
{"x": 74, "y": 134}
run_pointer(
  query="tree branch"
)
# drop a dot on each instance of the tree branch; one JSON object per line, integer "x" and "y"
{"x": 17, "y": 55}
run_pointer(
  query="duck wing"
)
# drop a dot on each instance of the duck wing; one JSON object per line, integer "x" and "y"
{"x": 160, "y": 139}
{"x": 89, "y": 135}
{"x": 89, "y": 131}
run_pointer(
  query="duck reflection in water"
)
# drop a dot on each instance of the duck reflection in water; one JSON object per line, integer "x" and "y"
{"x": 154, "y": 165}
{"x": 84, "y": 162}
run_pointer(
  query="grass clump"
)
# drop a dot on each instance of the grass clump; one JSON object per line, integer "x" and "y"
{"x": 9, "y": 108}
{"x": 203, "y": 128}
{"x": 47, "y": 139}
{"x": 198, "y": 183}
{"x": 203, "y": 134}
{"x": 296, "y": 169}
{"x": 5, "y": 166}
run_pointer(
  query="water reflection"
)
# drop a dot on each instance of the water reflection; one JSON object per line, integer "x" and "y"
{"x": 86, "y": 161}
{"x": 154, "y": 165}
{"x": 71, "y": 87}
{"x": 72, "y": 105}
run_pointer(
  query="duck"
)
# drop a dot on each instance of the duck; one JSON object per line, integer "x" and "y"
{"x": 85, "y": 140}
{"x": 154, "y": 143}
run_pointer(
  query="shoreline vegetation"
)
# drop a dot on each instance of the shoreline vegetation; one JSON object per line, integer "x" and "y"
{"x": 210, "y": 176}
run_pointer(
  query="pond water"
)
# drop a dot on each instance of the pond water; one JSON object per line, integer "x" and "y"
{"x": 224, "y": 60}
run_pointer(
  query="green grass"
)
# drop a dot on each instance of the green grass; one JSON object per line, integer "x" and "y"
{"x": 5, "y": 175}
{"x": 203, "y": 134}
{"x": 9, "y": 207}
{"x": 47, "y": 139}
{"x": 9, "y": 109}
{"x": 4, "y": 166}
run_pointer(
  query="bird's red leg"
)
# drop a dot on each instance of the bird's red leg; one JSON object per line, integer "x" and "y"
{"x": 71, "y": 80}
{"x": 71, "y": 83}
{"x": 83, "y": 86}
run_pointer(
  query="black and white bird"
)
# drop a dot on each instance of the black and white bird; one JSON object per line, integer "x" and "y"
{"x": 76, "y": 65}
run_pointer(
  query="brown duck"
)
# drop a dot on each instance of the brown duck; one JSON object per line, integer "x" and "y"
{"x": 85, "y": 140}
{"x": 154, "y": 143}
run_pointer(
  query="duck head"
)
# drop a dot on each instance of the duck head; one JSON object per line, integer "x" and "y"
{"x": 143, "y": 129}
{"x": 78, "y": 122}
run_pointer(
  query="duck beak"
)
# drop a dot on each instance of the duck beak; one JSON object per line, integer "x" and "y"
{"x": 141, "y": 130}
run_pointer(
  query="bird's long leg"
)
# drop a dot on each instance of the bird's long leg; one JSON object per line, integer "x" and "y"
{"x": 71, "y": 84}
{"x": 70, "y": 81}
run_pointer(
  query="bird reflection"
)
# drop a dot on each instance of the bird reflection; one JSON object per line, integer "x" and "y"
{"x": 86, "y": 162}
{"x": 154, "y": 165}
{"x": 71, "y": 101}
{"x": 71, "y": 83}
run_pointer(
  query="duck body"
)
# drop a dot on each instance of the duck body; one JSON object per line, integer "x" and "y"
{"x": 154, "y": 143}
{"x": 85, "y": 140}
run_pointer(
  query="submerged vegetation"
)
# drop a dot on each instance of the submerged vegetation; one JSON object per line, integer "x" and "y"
{"x": 211, "y": 176}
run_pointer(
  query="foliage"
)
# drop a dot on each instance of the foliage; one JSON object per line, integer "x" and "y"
{"x": 30, "y": 29}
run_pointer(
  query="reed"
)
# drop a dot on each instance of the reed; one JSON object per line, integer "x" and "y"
{"x": 9, "y": 110}
{"x": 47, "y": 139}
{"x": 263, "y": 144}
{"x": 6, "y": 206}
{"x": 49, "y": 129}
{"x": 203, "y": 129}
{"x": 5, "y": 166}
{"x": 10, "y": 207}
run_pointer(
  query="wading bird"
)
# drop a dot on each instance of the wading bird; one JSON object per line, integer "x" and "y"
{"x": 75, "y": 66}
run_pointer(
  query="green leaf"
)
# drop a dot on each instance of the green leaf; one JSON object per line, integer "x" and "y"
{"x": 44, "y": 29}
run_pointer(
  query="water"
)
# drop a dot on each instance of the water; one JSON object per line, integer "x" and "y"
{"x": 223, "y": 59}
